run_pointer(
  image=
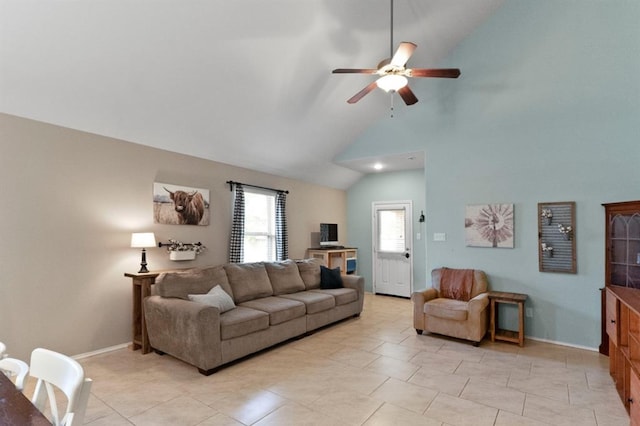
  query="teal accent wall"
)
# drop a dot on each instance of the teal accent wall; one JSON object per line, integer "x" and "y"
{"x": 547, "y": 109}
{"x": 392, "y": 186}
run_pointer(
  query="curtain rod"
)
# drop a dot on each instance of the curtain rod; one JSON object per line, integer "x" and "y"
{"x": 231, "y": 183}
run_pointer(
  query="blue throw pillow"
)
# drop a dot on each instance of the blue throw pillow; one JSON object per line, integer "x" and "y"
{"x": 330, "y": 278}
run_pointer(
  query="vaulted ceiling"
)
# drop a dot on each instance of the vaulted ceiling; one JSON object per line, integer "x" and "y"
{"x": 244, "y": 82}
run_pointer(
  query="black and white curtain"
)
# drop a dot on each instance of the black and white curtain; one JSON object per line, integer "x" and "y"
{"x": 282, "y": 237}
{"x": 236, "y": 244}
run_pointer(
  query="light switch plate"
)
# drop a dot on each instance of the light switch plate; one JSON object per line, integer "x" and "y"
{"x": 439, "y": 236}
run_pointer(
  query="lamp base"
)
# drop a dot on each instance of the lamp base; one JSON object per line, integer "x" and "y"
{"x": 143, "y": 263}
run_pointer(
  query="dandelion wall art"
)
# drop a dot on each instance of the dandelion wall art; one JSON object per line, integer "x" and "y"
{"x": 489, "y": 225}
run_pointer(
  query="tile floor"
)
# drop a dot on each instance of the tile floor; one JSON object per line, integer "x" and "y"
{"x": 373, "y": 370}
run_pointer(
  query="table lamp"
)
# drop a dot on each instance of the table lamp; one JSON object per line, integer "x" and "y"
{"x": 143, "y": 239}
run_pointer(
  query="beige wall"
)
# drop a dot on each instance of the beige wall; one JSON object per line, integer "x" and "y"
{"x": 70, "y": 202}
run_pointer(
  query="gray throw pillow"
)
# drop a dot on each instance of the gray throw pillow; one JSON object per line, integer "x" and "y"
{"x": 216, "y": 297}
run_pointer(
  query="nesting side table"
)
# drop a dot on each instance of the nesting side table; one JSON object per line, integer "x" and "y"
{"x": 496, "y": 297}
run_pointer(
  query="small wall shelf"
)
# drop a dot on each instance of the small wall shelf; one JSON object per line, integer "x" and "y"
{"x": 557, "y": 237}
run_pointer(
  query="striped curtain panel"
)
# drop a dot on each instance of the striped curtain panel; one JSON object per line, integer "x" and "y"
{"x": 236, "y": 244}
{"x": 282, "y": 237}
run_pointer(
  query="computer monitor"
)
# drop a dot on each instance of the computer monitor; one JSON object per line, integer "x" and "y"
{"x": 328, "y": 234}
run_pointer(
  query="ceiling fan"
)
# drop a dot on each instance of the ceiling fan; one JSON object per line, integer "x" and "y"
{"x": 393, "y": 72}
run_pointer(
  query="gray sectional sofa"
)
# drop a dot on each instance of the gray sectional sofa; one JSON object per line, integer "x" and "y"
{"x": 270, "y": 303}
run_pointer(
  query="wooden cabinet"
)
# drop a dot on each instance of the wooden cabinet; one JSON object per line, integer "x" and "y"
{"x": 141, "y": 285}
{"x": 345, "y": 258}
{"x": 622, "y": 254}
{"x": 622, "y": 265}
{"x": 634, "y": 405}
{"x": 623, "y": 329}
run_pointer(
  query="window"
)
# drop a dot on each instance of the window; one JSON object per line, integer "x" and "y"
{"x": 391, "y": 231}
{"x": 259, "y": 226}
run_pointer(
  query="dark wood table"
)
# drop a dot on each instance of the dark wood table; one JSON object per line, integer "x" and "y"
{"x": 15, "y": 407}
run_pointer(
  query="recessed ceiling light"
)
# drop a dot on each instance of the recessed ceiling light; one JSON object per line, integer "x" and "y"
{"x": 377, "y": 166}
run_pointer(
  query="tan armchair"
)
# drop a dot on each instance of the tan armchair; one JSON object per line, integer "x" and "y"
{"x": 459, "y": 309}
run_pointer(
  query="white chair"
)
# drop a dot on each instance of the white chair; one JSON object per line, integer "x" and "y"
{"x": 12, "y": 367}
{"x": 3, "y": 350}
{"x": 55, "y": 369}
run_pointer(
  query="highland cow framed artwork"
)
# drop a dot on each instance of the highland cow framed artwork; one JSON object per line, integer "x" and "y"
{"x": 180, "y": 205}
{"x": 489, "y": 225}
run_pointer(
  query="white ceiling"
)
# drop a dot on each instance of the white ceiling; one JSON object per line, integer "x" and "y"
{"x": 244, "y": 82}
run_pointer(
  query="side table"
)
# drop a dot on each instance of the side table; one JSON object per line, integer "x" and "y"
{"x": 141, "y": 284}
{"x": 496, "y": 297}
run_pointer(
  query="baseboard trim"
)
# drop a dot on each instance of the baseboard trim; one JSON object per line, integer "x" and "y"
{"x": 126, "y": 345}
{"x": 554, "y": 342}
{"x": 101, "y": 351}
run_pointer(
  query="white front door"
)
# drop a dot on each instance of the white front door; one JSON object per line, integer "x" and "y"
{"x": 392, "y": 248}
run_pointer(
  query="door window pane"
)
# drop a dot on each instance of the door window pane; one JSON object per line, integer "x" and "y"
{"x": 391, "y": 232}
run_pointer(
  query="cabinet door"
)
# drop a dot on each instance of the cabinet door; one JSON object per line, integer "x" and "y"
{"x": 623, "y": 247}
{"x": 612, "y": 317}
{"x": 634, "y": 399}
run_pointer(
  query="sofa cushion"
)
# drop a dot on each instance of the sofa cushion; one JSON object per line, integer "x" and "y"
{"x": 285, "y": 277}
{"x": 280, "y": 310}
{"x": 330, "y": 278}
{"x": 447, "y": 309}
{"x": 242, "y": 321}
{"x": 310, "y": 272}
{"x": 191, "y": 281}
{"x": 248, "y": 281}
{"x": 343, "y": 296}
{"x": 216, "y": 297}
{"x": 314, "y": 301}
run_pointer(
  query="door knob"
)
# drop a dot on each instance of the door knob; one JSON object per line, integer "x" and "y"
{"x": 407, "y": 255}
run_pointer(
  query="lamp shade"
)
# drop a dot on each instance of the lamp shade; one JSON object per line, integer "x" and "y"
{"x": 143, "y": 239}
{"x": 392, "y": 82}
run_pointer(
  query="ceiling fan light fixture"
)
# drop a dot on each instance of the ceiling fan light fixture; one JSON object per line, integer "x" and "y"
{"x": 392, "y": 82}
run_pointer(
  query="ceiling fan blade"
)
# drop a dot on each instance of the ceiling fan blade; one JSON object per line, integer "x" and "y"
{"x": 407, "y": 95}
{"x": 354, "y": 71}
{"x": 355, "y": 98}
{"x": 442, "y": 72}
{"x": 403, "y": 53}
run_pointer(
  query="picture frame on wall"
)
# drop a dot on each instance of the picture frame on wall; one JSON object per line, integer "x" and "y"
{"x": 557, "y": 237}
{"x": 489, "y": 225}
{"x": 180, "y": 205}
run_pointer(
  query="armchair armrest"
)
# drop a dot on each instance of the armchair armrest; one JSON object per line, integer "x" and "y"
{"x": 184, "y": 329}
{"x": 419, "y": 298}
{"x": 478, "y": 303}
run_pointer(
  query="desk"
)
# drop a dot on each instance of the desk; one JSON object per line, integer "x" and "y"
{"x": 334, "y": 258}
{"x": 16, "y": 409}
{"x": 496, "y": 297}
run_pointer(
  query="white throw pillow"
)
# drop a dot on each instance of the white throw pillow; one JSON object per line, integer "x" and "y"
{"x": 216, "y": 297}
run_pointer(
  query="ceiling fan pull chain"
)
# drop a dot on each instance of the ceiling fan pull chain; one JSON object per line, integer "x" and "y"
{"x": 391, "y": 102}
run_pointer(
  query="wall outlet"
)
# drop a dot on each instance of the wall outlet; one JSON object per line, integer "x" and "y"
{"x": 439, "y": 236}
{"x": 529, "y": 312}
